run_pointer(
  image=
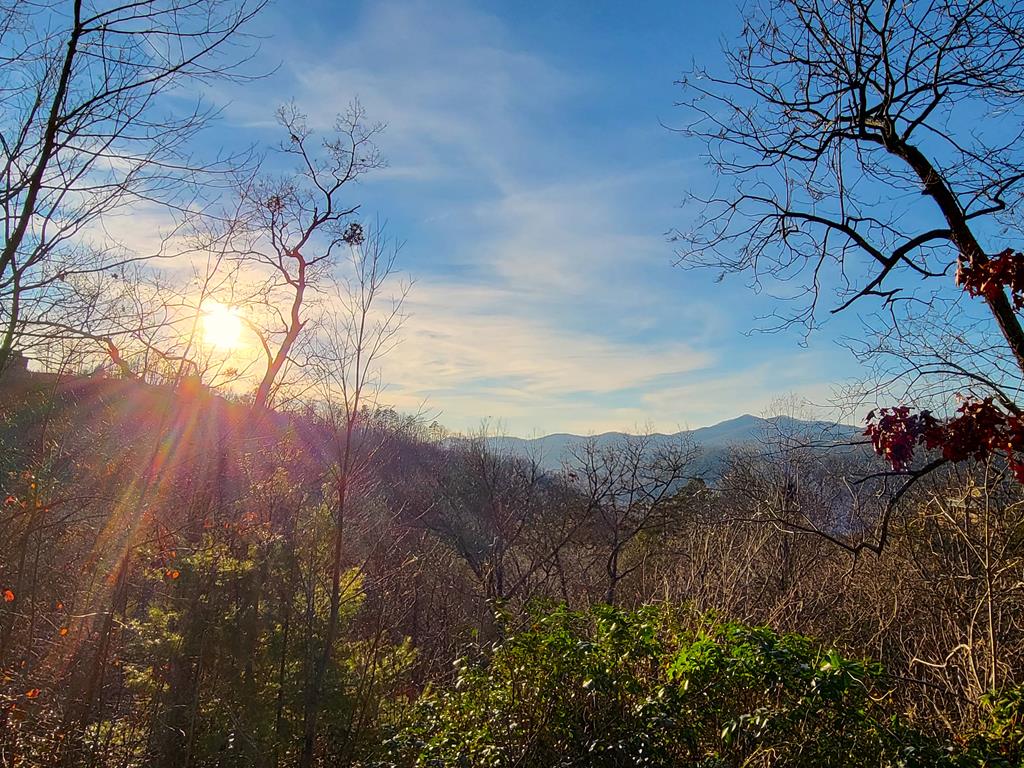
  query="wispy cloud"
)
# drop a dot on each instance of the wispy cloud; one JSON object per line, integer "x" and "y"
{"x": 544, "y": 294}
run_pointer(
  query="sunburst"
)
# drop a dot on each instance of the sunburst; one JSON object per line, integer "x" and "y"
{"x": 221, "y": 326}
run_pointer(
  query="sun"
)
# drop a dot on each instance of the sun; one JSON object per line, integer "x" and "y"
{"x": 221, "y": 326}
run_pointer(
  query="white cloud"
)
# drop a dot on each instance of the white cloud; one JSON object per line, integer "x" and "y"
{"x": 543, "y": 293}
{"x": 455, "y": 94}
{"x": 550, "y": 307}
{"x": 461, "y": 336}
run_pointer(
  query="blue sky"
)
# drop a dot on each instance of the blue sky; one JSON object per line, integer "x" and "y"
{"x": 533, "y": 179}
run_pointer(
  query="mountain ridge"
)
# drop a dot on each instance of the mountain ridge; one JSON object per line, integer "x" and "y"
{"x": 716, "y": 440}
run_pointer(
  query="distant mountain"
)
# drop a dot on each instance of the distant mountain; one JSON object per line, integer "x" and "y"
{"x": 716, "y": 441}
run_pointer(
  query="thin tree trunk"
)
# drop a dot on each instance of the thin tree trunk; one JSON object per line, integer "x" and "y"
{"x": 316, "y": 688}
{"x": 35, "y": 184}
{"x": 295, "y": 326}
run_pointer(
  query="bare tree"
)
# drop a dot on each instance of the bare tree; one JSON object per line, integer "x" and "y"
{"x": 87, "y": 129}
{"x": 960, "y": 545}
{"x": 141, "y": 324}
{"x": 869, "y": 147}
{"x": 361, "y": 324}
{"x": 870, "y": 150}
{"x": 485, "y": 504}
{"x": 293, "y": 228}
{"x": 630, "y": 490}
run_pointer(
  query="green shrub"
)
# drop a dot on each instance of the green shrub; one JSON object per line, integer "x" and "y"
{"x": 999, "y": 742}
{"x": 610, "y": 688}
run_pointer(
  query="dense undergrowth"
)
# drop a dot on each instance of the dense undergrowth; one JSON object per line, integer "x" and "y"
{"x": 659, "y": 687}
{"x": 164, "y": 591}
